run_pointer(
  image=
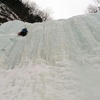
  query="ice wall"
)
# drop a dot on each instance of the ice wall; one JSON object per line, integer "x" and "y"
{"x": 57, "y": 60}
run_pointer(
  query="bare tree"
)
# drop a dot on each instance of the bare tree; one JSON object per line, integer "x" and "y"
{"x": 97, "y": 1}
{"x": 44, "y": 14}
{"x": 94, "y": 8}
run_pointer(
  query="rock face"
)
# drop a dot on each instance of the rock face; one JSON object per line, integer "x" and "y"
{"x": 6, "y": 14}
{"x": 15, "y": 9}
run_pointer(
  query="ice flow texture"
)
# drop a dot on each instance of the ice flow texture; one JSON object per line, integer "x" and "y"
{"x": 57, "y": 60}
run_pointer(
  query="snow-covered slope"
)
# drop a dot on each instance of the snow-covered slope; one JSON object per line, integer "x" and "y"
{"x": 57, "y": 60}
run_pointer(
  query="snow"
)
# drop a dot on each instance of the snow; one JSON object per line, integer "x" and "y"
{"x": 57, "y": 60}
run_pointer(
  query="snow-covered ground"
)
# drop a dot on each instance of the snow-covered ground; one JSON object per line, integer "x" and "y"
{"x": 57, "y": 60}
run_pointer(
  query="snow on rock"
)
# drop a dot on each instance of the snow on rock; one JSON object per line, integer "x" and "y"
{"x": 57, "y": 60}
{"x": 6, "y": 14}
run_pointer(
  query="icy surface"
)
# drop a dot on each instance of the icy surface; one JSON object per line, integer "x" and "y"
{"x": 57, "y": 60}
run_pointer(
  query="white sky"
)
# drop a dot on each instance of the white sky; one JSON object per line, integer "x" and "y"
{"x": 63, "y": 9}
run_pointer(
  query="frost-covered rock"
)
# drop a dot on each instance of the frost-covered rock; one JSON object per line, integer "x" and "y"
{"x": 6, "y": 14}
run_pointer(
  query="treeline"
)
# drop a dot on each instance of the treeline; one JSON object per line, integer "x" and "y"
{"x": 25, "y": 11}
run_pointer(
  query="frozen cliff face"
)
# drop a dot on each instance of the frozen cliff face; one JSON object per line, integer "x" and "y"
{"x": 57, "y": 60}
{"x": 6, "y": 14}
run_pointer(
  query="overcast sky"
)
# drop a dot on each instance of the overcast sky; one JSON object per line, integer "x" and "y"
{"x": 63, "y": 9}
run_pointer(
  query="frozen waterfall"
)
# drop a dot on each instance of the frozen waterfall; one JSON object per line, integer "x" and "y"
{"x": 57, "y": 60}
